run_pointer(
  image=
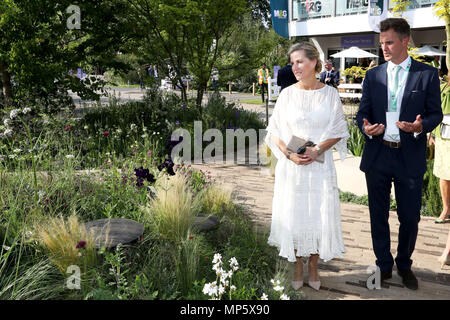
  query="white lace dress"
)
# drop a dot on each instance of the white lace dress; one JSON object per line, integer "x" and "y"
{"x": 306, "y": 209}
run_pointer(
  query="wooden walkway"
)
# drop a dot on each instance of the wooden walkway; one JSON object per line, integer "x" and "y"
{"x": 346, "y": 278}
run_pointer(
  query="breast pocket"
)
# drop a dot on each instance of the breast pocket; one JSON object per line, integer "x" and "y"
{"x": 417, "y": 98}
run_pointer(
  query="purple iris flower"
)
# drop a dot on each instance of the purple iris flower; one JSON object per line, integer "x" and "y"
{"x": 142, "y": 174}
{"x": 168, "y": 164}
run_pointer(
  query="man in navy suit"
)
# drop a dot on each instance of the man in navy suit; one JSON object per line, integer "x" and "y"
{"x": 400, "y": 104}
{"x": 329, "y": 76}
{"x": 286, "y": 77}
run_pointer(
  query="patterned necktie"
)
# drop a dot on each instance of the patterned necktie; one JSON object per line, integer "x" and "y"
{"x": 393, "y": 88}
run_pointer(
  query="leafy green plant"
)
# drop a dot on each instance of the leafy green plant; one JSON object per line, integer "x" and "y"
{"x": 356, "y": 141}
{"x": 355, "y": 72}
{"x": 431, "y": 196}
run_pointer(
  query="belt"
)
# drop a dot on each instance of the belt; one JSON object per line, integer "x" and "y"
{"x": 390, "y": 144}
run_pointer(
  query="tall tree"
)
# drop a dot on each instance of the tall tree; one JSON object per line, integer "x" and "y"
{"x": 188, "y": 35}
{"x": 38, "y": 48}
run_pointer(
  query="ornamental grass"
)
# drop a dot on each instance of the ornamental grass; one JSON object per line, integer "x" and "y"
{"x": 66, "y": 243}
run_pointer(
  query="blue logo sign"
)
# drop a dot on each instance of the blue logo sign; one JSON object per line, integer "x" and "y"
{"x": 280, "y": 17}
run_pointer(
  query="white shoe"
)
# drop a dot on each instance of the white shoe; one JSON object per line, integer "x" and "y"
{"x": 297, "y": 284}
{"x": 314, "y": 284}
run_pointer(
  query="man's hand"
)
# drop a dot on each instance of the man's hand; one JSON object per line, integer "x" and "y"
{"x": 415, "y": 126}
{"x": 373, "y": 129}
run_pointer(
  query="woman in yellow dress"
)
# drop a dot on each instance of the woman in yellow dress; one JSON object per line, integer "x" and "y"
{"x": 441, "y": 167}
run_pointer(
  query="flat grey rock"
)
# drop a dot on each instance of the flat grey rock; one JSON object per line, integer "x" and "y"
{"x": 111, "y": 232}
{"x": 204, "y": 223}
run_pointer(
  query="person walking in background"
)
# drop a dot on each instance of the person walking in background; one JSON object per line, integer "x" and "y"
{"x": 215, "y": 78}
{"x": 400, "y": 104}
{"x": 156, "y": 74}
{"x": 329, "y": 76}
{"x": 286, "y": 77}
{"x": 373, "y": 64}
{"x": 263, "y": 79}
{"x": 306, "y": 218}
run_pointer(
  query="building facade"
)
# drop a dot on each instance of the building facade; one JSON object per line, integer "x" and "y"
{"x": 334, "y": 25}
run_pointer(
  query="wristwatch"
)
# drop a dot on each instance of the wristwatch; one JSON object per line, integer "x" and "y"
{"x": 319, "y": 151}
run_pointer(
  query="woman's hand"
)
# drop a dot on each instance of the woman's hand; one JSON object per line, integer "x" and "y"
{"x": 300, "y": 159}
{"x": 312, "y": 153}
{"x": 431, "y": 141}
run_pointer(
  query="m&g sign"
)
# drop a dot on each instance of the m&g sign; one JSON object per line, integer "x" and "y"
{"x": 280, "y": 14}
{"x": 305, "y": 9}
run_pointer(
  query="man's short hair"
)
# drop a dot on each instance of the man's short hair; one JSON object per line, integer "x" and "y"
{"x": 399, "y": 25}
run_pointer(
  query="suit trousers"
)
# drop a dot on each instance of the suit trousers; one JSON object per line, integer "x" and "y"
{"x": 388, "y": 167}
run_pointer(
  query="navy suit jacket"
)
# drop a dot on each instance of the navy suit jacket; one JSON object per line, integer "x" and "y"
{"x": 286, "y": 77}
{"x": 334, "y": 78}
{"x": 421, "y": 96}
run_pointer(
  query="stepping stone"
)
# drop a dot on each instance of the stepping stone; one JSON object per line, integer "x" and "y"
{"x": 204, "y": 223}
{"x": 111, "y": 232}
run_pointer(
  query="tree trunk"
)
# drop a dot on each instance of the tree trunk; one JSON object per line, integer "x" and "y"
{"x": 6, "y": 82}
{"x": 199, "y": 99}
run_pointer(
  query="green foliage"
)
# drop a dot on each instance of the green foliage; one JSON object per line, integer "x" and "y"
{"x": 37, "y": 50}
{"x": 356, "y": 141}
{"x": 355, "y": 72}
{"x": 431, "y": 195}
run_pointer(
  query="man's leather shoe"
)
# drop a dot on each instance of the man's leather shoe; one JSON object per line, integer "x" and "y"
{"x": 385, "y": 275}
{"x": 409, "y": 279}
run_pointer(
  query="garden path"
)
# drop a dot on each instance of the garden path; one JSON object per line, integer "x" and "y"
{"x": 345, "y": 278}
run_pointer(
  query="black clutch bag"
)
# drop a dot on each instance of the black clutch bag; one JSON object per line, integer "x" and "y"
{"x": 298, "y": 145}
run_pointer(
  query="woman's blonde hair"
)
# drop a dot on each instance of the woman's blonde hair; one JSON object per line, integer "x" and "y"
{"x": 311, "y": 53}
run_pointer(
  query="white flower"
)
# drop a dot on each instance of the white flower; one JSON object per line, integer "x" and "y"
{"x": 86, "y": 127}
{"x": 278, "y": 288}
{"x": 210, "y": 289}
{"x": 234, "y": 264}
{"x": 264, "y": 297}
{"x": 26, "y": 110}
{"x": 233, "y": 288}
{"x": 217, "y": 258}
{"x": 284, "y": 297}
{"x": 6, "y": 122}
{"x": 144, "y": 136}
{"x": 70, "y": 156}
{"x": 221, "y": 289}
{"x": 6, "y": 248}
{"x": 8, "y": 133}
{"x": 14, "y": 113}
{"x": 17, "y": 150}
{"x": 133, "y": 126}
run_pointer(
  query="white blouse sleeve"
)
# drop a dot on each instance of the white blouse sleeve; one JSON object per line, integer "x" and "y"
{"x": 276, "y": 127}
{"x": 337, "y": 128}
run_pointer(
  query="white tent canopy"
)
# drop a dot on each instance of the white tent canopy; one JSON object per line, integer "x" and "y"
{"x": 354, "y": 52}
{"x": 429, "y": 51}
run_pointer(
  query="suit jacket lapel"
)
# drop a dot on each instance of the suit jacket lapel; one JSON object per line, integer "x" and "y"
{"x": 382, "y": 80}
{"x": 413, "y": 77}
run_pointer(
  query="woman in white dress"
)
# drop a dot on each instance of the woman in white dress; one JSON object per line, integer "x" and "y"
{"x": 306, "y": 219}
